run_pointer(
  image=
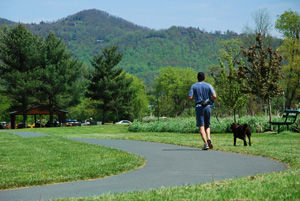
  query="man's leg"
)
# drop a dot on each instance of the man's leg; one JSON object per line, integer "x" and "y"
{"x": 207, "y": 131}
{"x": 209, "y": 141}
{"x": 203, "y": 134}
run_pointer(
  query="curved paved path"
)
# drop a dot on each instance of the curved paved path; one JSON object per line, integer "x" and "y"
{"x": 167, "y": 165}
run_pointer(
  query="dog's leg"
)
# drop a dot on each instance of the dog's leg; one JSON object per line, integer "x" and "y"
{"x": 245, "y": 142}
{"x": 234, "y": 143}
{"x": 249, "y": 140}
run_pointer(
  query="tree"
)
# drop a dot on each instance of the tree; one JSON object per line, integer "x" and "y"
{"x": 19, "y": 55}
{"x": 173, "y": 84}
{"x": 139, "y": 101}
{"x": 229, "y": 90}
{"x": 260, "y": 74}
{"x": 58, "y": 82}
{"x": 263, "y": 25}
{"x": 289, "y": 24}
{"x": 290, "y": 51}
{"x": 107, "y": 83}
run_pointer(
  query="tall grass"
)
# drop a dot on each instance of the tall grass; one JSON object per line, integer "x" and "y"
{"x": 218, "y": 125}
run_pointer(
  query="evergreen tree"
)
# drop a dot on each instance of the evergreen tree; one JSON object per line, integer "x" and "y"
{"x": 108, "y": 84}
{"x": 59, "y": 85}
{"x": 19, "y": 55}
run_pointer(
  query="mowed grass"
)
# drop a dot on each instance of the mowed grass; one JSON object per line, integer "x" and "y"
{"x": 283, "y": 147}
{"x": 46, "y": 160}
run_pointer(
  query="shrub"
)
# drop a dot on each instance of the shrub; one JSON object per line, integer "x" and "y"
{"x": 220, "y": 125}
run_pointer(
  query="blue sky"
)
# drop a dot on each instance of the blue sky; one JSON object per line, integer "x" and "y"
{"x": 210, "y": 15}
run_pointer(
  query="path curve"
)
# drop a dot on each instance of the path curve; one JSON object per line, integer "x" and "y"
{"x": 167, "y": 165}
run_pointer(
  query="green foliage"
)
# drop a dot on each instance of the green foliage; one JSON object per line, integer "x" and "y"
{"x": 19, "y": 56}
{"x": 172, "y": 87}
{"x": 38, "y": 71}
{"x": 220, "y": 125}
{"x": 289, "y": 24}
{"x": 290, "y": 50}
{"x": 139, "y": 101}
{"x": 228, "y": 89}
{"x": 58, "y": 83}
{"x": 145, "y": 51}
{"x": 260, "y": 75}
{"x": 108, "y": 84}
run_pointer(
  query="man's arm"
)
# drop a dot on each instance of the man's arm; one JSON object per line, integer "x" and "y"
{"x": 191, "y": 98}
{"x": 214, "y": 97}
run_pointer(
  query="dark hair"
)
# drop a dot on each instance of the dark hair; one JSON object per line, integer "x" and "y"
{"x": 201, "y": 76}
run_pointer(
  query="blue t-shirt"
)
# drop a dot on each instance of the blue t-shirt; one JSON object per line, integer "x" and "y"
{"x": 201, "y": 91}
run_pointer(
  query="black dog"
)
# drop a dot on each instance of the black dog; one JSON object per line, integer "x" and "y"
{"x": 240, "y": 131}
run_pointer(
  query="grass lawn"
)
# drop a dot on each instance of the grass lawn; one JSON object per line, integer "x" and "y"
{"x": 46, "y": 160}
{"x": 283, "y": 147}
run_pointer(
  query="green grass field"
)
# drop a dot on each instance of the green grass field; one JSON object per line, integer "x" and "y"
{"x": 46, "y": 160}
{"x": 283, "y": 147}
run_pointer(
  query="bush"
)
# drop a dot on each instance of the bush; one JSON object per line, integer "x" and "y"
{"x": 220, "y": 125}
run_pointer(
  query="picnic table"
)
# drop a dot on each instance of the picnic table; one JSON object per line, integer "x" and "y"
{"x": 289, "y": 117}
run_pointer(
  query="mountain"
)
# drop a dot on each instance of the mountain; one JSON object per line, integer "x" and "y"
{"x": 145, "y": 51}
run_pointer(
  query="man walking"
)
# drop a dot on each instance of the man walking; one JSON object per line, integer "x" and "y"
{"x": 203, "y": 93}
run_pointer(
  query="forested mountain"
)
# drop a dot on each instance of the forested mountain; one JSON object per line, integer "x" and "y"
{"x": 145, "y": 51}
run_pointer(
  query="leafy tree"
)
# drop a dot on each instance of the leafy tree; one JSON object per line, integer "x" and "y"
{"x": 290, "y": 50}
{"x": 289, "y": 24}
{"x": 173, "y": 84}
{"x": 260, "y": 74}
{"x": 59, "y": 85}
{"x": 229, "y": 90}
{"x": 19, "y": 55}
{"x": 139, "y": 101}
{"x": 108, "y": 84}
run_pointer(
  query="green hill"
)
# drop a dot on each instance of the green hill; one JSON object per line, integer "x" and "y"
{"x": 145, "y": 51}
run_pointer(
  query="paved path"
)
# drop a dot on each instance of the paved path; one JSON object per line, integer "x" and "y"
{"x": 167, "y": 165}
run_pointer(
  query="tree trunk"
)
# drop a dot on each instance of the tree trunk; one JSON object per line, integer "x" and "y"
{"x": 234, "y": 115}
{"x": 103, "y": 116}
{"x": 25, "y": 119}
{"x": 270, "y": 113}
{"x": 51, "y": 116}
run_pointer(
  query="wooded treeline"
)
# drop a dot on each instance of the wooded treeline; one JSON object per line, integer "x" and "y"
{"x": 40, "y": 70}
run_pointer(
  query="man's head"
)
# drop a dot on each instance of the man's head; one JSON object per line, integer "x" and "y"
{"x": 201, "y": 76}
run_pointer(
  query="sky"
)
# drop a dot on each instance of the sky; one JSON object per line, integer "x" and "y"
{"x": 209, "y": 15}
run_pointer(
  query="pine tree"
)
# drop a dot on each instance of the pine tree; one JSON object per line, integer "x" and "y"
{"x": 19, "y": 55}
{"x": 108, "y": 84}
{"x": 58, "y": 76}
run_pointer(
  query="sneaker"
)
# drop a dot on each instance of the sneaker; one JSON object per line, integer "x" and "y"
{"x": 206, "y": 147}
{"x": 210, "y": 143}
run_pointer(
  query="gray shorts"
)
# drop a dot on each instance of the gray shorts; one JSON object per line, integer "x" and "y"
{"x": 203, "y": 115}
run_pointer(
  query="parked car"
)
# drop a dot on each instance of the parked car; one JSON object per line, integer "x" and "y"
{"x": 8, "y": 125}
{"x": 86, "y": 122}
{"x": 123, "y": 122}
{"x": 3, "y": 125}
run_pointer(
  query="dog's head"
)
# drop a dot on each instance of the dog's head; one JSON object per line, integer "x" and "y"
{"x": 234, "y": 126}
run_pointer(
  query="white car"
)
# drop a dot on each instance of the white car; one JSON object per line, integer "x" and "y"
{"x": 123, "y": 122}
